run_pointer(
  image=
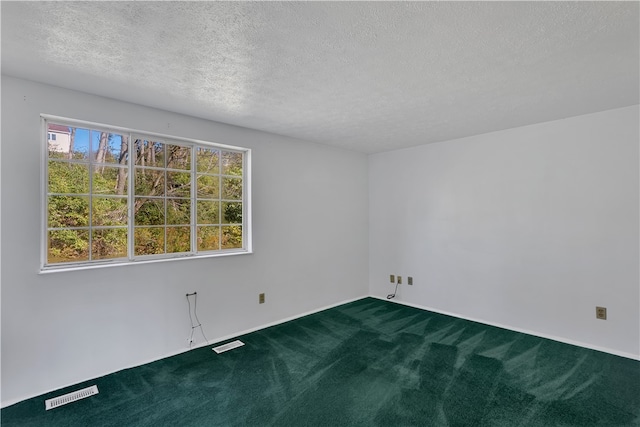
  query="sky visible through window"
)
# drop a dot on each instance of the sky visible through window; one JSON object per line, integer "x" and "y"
{"x": 85, "y": 136}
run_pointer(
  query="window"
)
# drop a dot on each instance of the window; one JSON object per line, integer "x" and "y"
{"x": 118, "y": 196}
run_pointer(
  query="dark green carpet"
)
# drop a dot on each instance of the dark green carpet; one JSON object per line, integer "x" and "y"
{"x": 366, "y": 363}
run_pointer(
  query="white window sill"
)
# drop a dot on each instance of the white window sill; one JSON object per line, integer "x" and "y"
{"x": 120, "y": 263}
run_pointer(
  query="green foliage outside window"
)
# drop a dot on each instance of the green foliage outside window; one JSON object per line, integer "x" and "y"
{"x": 91, "y": 214}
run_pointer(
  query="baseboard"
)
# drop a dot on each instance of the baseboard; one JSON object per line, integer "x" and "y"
{"x": 175, "y": 353}
{"x": 297, "y": 316}
{"x": 511, "y": 328}
{"x": 278, "y": 322}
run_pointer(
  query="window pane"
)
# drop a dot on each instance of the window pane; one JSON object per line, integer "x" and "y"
{"x": 149, "y": 212}
{"x": 66, "y": 142}
{"x": 231, "y": 163}
{"x": 110, "y": 180}
{"x": 232, "y": 213}
{"x": 109, "y": 243}
{"x": 67, "y": 246}
{"x": 232, "y": 188}
{"x": 178, "y": 211}
{"x": 93, "y": 214}
{"x": 149, "y": 153}
{"x": 68, "y": 211}
{"x": 149, "y": 182}
{"x": 178, "y": 184}
{"x": 208, "y": 160}
{"x": 178, "y": 239}
{"x": 70, "y": 178}
{"x": 108, "y": 147}
{"x": 178, "y": 157}
{"x": 232, "y": 237}
{"x": 109, "y": 211}
{"x": 149, "y": 241}
{"x": 208, "y": 186}
{"x": 208, "y": 238}
{"x": 208, "y": 212}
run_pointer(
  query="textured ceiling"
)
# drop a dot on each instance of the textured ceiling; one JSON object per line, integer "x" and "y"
{"x": 366, "y": 76}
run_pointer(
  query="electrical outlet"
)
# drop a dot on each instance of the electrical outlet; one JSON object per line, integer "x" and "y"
{"x": 392, "y": 278}
{"x": 410, "y": 281}
{"x": 399, "y": 280}
{"x": 261, "y": 299}
{"x": 601, "y": 313}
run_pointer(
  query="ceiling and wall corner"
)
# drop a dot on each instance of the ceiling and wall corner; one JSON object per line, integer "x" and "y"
{"x": 366, "y": 76}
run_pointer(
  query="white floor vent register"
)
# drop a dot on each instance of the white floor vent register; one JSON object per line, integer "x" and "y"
{"x": 70, "y": 397}
{"x": 228, "y": 346}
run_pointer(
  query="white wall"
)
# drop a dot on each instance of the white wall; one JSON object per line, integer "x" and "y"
{"x": 529, "y": 228}
{"x": 310, "y": 243}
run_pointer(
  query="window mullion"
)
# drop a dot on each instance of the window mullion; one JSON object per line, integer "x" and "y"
{"x": 90, "y": 193}
{"x": 44, "y": 194}
{"x": 220, "y": 191}
{"x": 166, "y": 201}
{"x": 194, "y": 226}
{"x": 244, "y": 201}
{"x": 130, "y": 197}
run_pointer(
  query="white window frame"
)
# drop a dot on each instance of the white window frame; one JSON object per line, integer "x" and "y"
{"x": 131, "y": 258}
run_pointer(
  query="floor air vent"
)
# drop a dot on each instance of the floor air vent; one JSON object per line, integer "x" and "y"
{"x": 228, "y": 346}
{"x": 70, "y": 397}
